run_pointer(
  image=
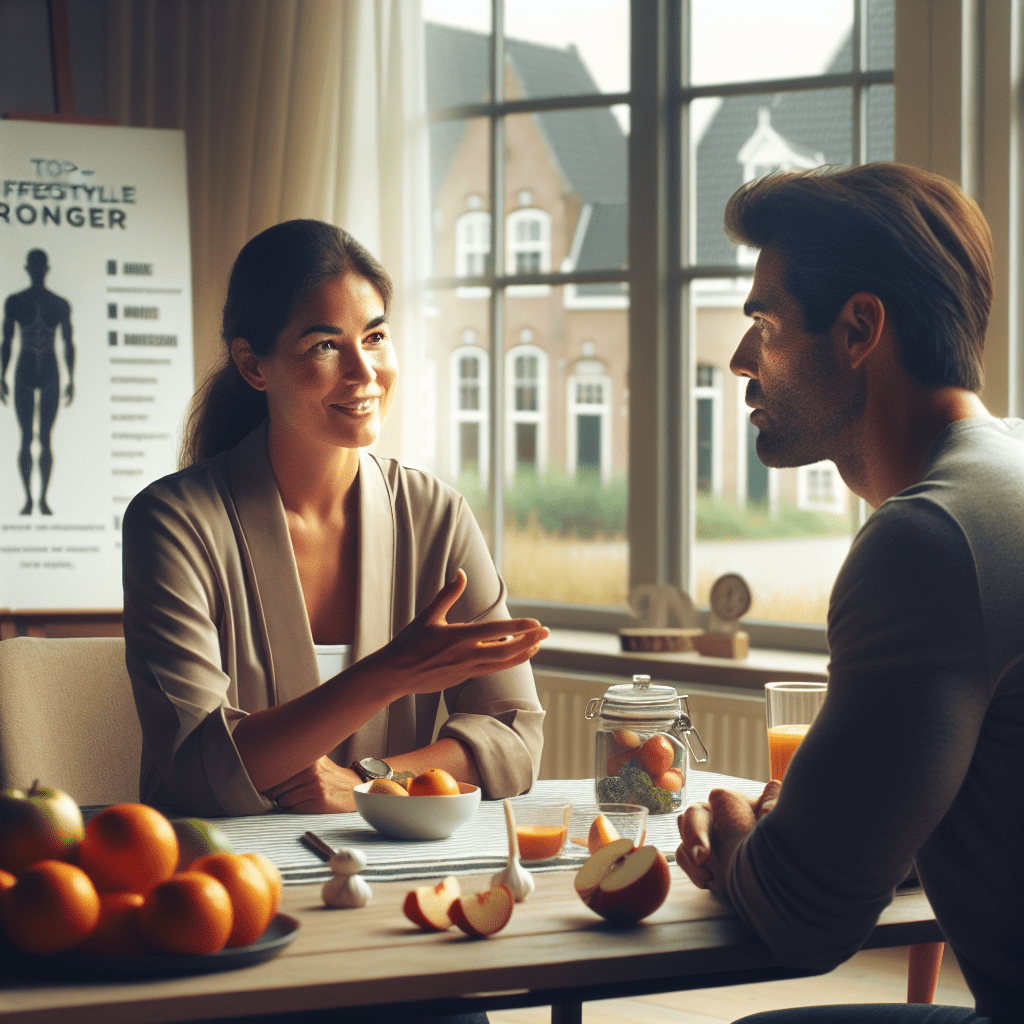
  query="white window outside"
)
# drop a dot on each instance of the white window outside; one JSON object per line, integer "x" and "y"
{"x": 589, "y": 410}
{"x": 526, "y": 402}
{"x": 472, "y": 251}
{"x": 470, "y": 406}
{"x": 528, "y": 248}
{"x": 820, "y": 488}
{"x": 708, "y": 400}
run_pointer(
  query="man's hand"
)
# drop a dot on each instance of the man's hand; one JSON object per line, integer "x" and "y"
{"x": 711, "y": 831}
{"x": 322, "y": 788}
{"x": 69, "y": 393}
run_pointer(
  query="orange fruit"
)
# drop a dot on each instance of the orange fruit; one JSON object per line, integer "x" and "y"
{"x": 189, "y": 913}
{"x": 672, "y": 780}
{"x": 251, "y": 896}
{"x": 626, "y": 738}
{"x": 273, "y": 877}
{"x": 6, "y": 880}
{"x": 616, "y": 761}
{"x": 388, "y": 787}
{"x": 434, "y": 782}
{"x": 128, "y": 848}
{"x": 117, "y": 930}
{"x": 50, "y": 908}
{"x": 656, "y": 755}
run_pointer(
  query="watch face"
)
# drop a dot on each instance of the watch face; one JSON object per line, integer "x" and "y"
{"x": 375, "y": 768}
{"x": 730, "y": 597}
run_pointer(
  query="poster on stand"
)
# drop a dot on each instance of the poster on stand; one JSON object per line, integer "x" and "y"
{"x": 96, "y": 353}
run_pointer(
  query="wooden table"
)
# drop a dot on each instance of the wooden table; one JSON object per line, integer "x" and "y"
{"x": 554, "y": 952}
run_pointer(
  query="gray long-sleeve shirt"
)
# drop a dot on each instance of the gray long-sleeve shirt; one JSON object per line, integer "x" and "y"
{"x": 918, "y": 752}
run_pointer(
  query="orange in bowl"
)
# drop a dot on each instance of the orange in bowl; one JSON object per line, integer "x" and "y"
{"x": 433, "y": 782}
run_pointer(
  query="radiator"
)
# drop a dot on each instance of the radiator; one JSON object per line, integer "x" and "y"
{"x": 731, "y": 723}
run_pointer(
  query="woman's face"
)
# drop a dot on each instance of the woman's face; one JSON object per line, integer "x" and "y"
{"x": 331, "y": 375}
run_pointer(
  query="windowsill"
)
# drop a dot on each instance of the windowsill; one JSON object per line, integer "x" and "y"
{"x": 578, "y": 650}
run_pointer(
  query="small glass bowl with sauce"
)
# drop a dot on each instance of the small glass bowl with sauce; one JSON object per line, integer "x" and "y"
{"x": 542, "y": 828}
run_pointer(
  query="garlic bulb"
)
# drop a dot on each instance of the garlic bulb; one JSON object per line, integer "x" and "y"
{"x": 347, "y": 861}
{"x": 514, "y": 875}
{"x": 346, "y": 891}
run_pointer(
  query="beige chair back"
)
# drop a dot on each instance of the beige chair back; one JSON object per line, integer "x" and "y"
{"x": 67, "y": 718}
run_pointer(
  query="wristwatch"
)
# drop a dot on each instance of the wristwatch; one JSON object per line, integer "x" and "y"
{"x": 370, "y": 768}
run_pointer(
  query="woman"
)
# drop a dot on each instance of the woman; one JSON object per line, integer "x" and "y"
{"x": 284, "y": 542}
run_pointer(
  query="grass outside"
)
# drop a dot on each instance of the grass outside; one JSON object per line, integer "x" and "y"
{"x": 542, "y": 566}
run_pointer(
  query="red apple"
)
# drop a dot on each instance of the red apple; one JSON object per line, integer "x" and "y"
{"x": 623, "y": 883}
{"x": 428, "y": 905}
{"x": 485, "y": 913}
{"x": 42, "y": 824}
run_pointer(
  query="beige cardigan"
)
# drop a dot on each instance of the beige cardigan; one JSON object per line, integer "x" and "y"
{"x": 215, "y": 625}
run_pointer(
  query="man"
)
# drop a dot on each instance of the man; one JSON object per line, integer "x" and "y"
{"x": 38, "y": 312}
{"x": 869, "y": 303}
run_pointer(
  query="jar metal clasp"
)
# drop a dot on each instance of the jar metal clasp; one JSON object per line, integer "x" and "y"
{"x": 683, "y": 728}
{"x": 593, "y": 708}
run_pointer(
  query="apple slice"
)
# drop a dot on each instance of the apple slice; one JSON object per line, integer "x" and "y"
{"x": 485, "y": 913}
{"x": 602, "y": 832}
{"x": 428, "y": 905}
{"x": 622, "y": 883}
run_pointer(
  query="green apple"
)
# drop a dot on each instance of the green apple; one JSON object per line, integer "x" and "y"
{"x": 197, "y": 838}
{"x": 41, "y": 824}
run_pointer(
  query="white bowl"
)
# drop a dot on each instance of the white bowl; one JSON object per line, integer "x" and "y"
{"x": 417, "y": 817}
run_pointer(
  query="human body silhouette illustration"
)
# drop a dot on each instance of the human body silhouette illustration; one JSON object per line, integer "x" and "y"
{"x": 38, "y": 312}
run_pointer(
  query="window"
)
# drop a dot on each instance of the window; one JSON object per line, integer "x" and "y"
{"x": 469, "y": 416}
{"x": 473, "y": 244}
{"x": 528, "y": 237}
{"x": 526, "y": 443}
{"x": 540, "y": 132}
{"x": 646, "y": 277}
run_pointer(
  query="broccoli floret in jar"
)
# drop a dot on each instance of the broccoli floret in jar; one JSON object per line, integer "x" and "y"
{"x": 612, "y": 790}
{"x": 643, "y": 791}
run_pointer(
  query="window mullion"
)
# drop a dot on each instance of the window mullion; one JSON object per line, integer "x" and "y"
{"x": 496, "y": 435}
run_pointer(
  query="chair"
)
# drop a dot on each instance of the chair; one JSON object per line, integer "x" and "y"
{"x": 67, "y": 718}
{"x": 60, "y": 622}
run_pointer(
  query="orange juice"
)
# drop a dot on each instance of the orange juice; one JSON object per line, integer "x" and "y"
{"x": 782, "y": 741}
{"x": 540, "y": 842}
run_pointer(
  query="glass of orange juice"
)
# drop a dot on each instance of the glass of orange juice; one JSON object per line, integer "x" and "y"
{"x": 790, "y": 708}
{"x": 541, "y": 828}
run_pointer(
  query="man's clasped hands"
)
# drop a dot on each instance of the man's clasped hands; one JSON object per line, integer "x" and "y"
{"x": 712, "y": 830}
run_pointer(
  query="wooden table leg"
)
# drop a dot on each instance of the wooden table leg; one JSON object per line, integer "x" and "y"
{"x": 566, "y": 1013}
{"x": 923, "y": 971}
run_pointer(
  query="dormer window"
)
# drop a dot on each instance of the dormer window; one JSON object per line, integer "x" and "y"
{"x": 529, "y": 241}
{"x": 473, "y": 244}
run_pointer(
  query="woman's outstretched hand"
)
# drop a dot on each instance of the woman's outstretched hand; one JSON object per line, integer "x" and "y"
{"x": 431, "y": 654}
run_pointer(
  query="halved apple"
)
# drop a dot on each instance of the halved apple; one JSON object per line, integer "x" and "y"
{"x": 602, "y": 832}
{"x": 623, "y": 883}
{"x": 485, "y": 913}
{"x": 427, "y": 906}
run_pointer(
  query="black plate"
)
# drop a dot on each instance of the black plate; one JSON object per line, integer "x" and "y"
{"x": 132, "y": 966}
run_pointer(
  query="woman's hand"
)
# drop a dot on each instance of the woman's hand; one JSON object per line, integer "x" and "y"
{"x": 322, "y": 788}
{"x": 711, "y": 831}
{"x": 431, "y": 654}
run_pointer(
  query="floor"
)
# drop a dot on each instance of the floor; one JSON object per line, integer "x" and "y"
{"x": 872, "y": 976}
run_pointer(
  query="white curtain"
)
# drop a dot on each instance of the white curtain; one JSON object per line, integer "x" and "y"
{"x": 291, "y": 108}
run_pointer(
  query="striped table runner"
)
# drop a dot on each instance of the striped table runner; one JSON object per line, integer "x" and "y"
{"x": 480, "y": 846}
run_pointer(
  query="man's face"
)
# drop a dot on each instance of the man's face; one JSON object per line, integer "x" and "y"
{"x": 802, "y": 395}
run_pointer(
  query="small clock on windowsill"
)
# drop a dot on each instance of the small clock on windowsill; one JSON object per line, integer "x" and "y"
{"x": 730, "y": 601}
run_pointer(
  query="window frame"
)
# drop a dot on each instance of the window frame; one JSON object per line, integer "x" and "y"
{"x": 538, "y": 417}
{"x": 956, "y": 113}
{"x": 480, "y": 415}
